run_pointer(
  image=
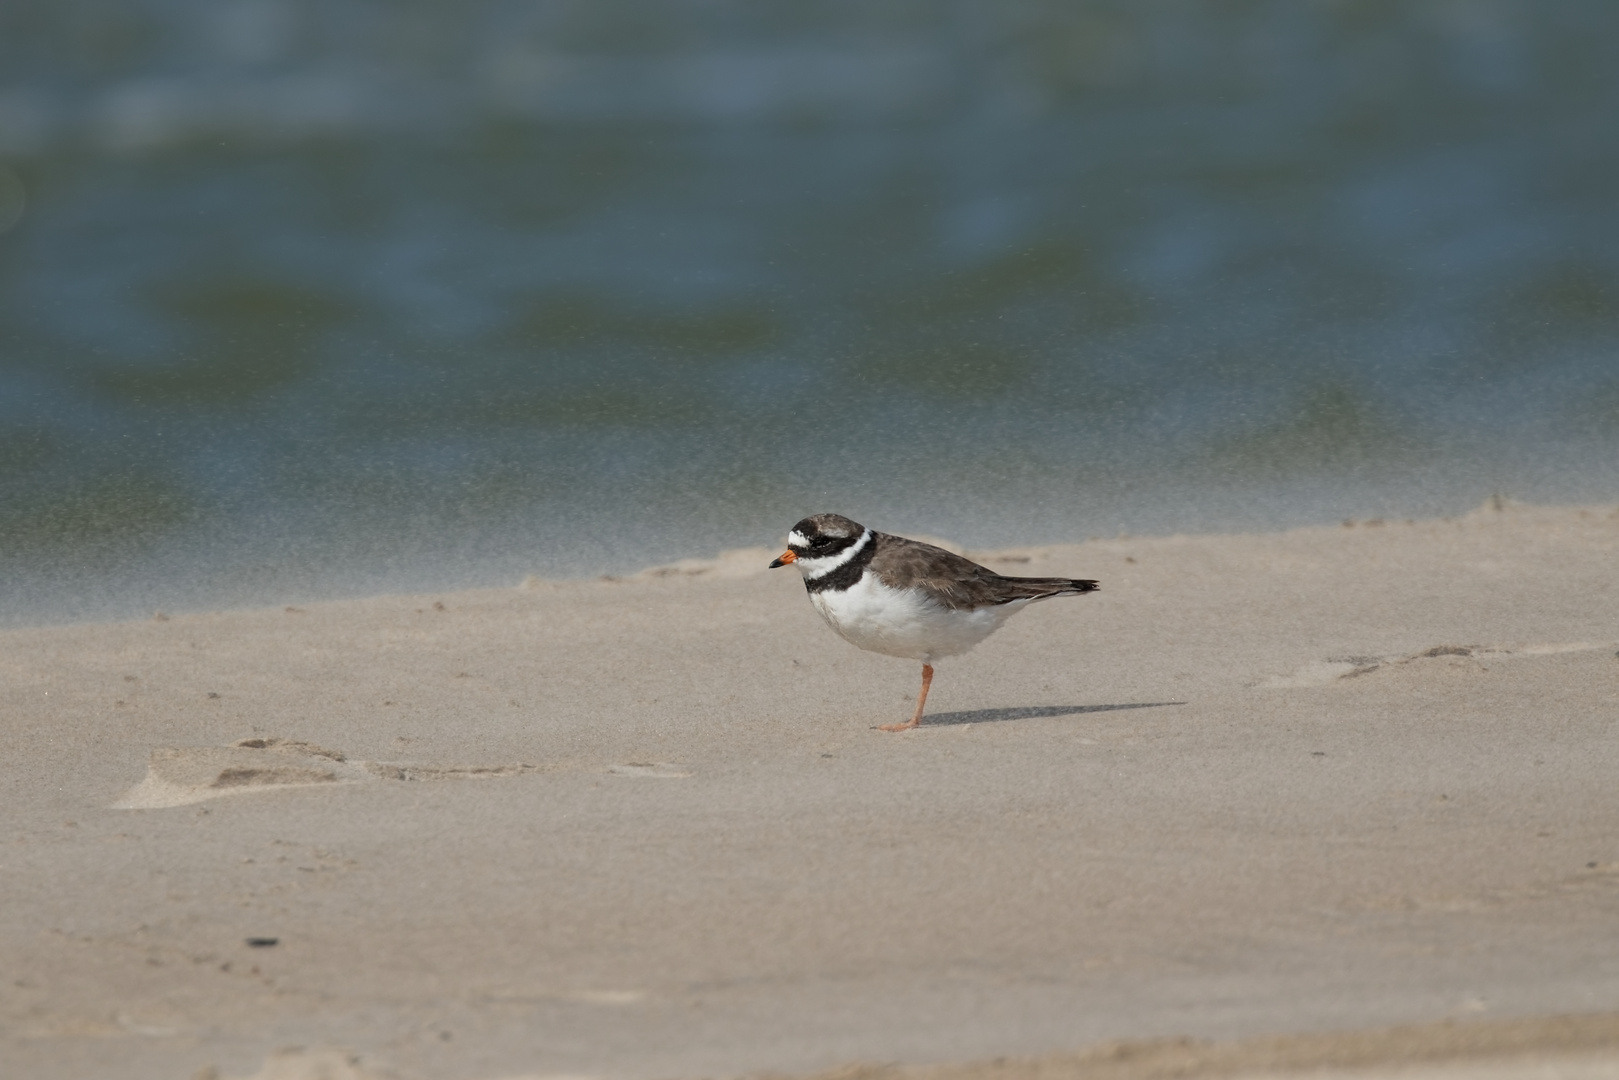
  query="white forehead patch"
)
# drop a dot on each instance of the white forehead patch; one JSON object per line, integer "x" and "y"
{"x": 797, "y": 539}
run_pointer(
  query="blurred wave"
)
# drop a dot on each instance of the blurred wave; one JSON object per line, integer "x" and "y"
{"x": 303, "y": 299}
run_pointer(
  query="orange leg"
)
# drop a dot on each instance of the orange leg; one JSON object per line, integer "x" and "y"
{"x": 921, "y": 700}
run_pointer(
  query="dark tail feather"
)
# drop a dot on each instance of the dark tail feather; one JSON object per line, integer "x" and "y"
{"x": 1038, "y": 588}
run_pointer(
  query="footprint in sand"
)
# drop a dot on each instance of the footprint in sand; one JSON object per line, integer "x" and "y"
{"x": 178, "y": 776}
{"x": 1339, "y": 668}
{"x": 1323, "y": 672}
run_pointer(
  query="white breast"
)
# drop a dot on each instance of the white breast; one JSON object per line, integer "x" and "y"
{"x": 905, "y": 622}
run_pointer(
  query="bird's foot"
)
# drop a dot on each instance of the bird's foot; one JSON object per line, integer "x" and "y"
{"x": 921, "y": 703}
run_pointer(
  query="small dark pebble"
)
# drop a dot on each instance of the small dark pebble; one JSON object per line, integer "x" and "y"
{"x": 1590, "y": 866}
{"x": 263, "y": 942}
{"x": 1318, "y": 753}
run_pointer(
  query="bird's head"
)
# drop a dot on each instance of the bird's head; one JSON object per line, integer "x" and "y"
{"x": 818, "y": 540}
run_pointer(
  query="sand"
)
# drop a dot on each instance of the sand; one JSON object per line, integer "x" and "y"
{"x": 1334, "y": 799}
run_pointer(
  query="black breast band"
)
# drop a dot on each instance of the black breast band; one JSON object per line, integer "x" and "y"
{"x": 848, "y": 574}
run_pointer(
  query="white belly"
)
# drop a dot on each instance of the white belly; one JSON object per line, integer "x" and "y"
{"x": 905, "y": 622}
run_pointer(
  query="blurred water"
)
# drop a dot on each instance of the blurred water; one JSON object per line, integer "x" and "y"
{"x": 302, "y": 299}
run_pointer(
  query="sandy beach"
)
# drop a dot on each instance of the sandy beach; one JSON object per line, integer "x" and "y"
{"x": 1340, "y": 798}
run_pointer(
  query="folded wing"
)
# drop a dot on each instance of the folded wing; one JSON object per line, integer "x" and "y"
{"x": 957, "y": 582}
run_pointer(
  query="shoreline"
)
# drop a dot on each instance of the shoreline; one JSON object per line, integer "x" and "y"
{"x": 739, "y": 562}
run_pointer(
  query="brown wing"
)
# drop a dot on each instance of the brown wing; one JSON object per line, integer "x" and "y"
{"x": 955, "y": 581}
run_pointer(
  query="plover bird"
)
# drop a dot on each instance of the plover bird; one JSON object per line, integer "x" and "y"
{"x": 905, "y": 598}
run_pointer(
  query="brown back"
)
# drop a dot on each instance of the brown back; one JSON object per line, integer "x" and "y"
{"x": 955, "y": 581}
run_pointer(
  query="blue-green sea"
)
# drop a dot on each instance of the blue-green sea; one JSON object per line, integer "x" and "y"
{"x": 320, "y": 298}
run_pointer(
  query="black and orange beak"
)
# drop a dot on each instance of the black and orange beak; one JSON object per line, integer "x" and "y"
{"x": 784, "y": 558}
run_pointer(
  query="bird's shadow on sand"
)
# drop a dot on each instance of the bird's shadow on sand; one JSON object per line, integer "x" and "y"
{"x": 1031, "y": 712}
